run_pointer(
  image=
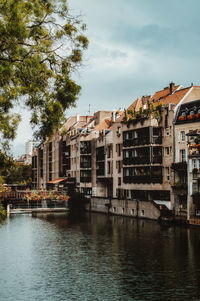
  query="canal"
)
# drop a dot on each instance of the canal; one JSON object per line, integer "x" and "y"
{"x": 96, "y": 257}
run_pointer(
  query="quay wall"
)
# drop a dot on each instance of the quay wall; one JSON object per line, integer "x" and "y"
{"x": 131, "y": 208}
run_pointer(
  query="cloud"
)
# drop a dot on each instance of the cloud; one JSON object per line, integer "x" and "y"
{"x": 136, "y": 47}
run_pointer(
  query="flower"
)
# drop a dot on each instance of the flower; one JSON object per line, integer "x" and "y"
{"x": 189, "y": 117}
{"x": 197, "y": 115}
{"x": 181, "y": 117}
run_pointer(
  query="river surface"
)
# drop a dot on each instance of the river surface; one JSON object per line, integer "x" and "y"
{"x": 96, "y": 257}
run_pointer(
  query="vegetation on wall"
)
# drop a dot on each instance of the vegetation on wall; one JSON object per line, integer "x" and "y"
{"x": 133, "y": 116}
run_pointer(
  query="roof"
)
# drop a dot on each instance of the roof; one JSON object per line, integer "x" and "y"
{"x": 176, "y": 97}
{"x": 163, "y": 93}
{"x": 55, "y": 181}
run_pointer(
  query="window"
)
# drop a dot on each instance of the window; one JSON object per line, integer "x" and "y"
{"x": 167, "y": 151}
{"x": 195, "y": 187}
{"x": 132, "y": 211}
{"x": 118, "y": 166}
{"x": 118, "y": 149}
{"x": 119, "y": 130}
{"x": 122, "y": 210}
{"x": 109, "y": 169}
{"x": 114, "y": 209}
{"x": 183, "y": 155}
{"x": 182, "y": 136}
{"x": 119, "y": 181}
{"x": 167, "y": 173}
{"x": 194, "y": 163}
{"x": 142, "y": 212}
{"x": 127, "y": 154}
{"x": 109, "y": 151}
{"x": 167, "y": 131}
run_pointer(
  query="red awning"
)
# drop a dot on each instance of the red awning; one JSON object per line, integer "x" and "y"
{"x": 55, "y": 181}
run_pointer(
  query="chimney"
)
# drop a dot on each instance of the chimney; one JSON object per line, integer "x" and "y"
{"x": 77, "y": 117}
{"x": 171, "y": 87}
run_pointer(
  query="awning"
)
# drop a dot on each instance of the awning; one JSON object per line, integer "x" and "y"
{"x": 55, "y": 181}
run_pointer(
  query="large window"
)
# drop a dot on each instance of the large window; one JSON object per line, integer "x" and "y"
{"x": 183, "y": 155}
{"x": 182, "y": 136}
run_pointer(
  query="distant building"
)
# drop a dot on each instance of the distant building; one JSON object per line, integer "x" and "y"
{"x": 24, "y": 159}
{"x": 29, "y": 147}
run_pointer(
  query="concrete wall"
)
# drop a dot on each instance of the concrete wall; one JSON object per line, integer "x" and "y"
{"x": 141, "y": 209}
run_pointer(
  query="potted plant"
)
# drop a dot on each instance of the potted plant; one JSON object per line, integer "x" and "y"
{"x": 189, "y": 117}
{"x": 181, "y": 117}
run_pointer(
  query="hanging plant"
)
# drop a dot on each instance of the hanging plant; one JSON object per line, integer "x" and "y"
{"x": 125, "y": 116}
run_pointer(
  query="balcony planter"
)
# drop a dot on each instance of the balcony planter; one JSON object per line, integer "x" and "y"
{"x": 195, "y": 170}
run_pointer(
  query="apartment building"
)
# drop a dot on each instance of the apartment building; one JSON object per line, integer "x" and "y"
{"x": 193, "y": 174}
{"x": 130, "y": 162}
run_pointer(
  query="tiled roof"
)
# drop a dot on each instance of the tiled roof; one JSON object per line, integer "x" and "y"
{"x": 162, "y": 93}
{"x": 176, "y": 97}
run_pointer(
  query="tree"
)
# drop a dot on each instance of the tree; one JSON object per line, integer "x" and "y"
{"x": 41, "y": 45}
{"x": 19, "y": 173}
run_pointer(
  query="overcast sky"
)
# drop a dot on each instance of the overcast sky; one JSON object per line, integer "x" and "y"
{"x": 136, "y": 47}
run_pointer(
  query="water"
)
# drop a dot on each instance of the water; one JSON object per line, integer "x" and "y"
{"x": 96, "y": 257}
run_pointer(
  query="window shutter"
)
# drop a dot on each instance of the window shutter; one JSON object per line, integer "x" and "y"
{"x": 186, "y": 155}
{"x": 178, "y": 134}
{"x": 190, "y": 188}
{"x": 190, "y": 165}
{"x": 177, "y": 156}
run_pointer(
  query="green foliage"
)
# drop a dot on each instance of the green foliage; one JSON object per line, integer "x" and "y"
{"x": 19, "y": 174}
{"x": 12, "y": 172}
{"x": 2, "y": 212}
{"x": 41, "y": 44}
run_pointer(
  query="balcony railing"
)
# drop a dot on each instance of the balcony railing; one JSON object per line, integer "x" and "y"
{"x": 136, "y": 160}
{"x": 196, "y": 198}
{"x": 85, "y": 150}
{"x": 100, "y": 172}
{"x": 85, "y": 165}
{"x": 85, "y": 179}
{"x": 136, "y": 141}
{"x": 145, "y": 179}
{"x": 157, "y": 140}
{"x": 157, "y": 159}
{"x": 142, "y": 160}
{"x": 179, "y": 166}
{"x": 180, "y": 186}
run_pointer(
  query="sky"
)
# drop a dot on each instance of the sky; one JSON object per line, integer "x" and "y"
{"x": 136, "y": 48}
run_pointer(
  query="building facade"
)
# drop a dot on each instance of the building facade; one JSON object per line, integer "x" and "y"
{"x": 130, "y": 163}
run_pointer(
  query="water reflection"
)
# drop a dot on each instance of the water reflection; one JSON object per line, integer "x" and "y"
{"x": 97, "y": 257}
